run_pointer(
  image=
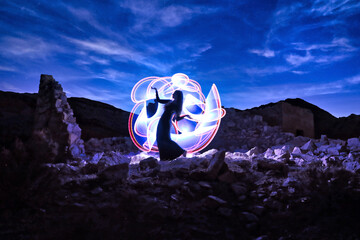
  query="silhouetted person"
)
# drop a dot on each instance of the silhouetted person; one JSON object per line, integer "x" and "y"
{"x": 169, "y": 149}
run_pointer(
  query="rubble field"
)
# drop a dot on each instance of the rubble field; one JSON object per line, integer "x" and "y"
{"x": 303, "y": 189}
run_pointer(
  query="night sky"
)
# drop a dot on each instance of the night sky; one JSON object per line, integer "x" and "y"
{"x": 256, "y": 52}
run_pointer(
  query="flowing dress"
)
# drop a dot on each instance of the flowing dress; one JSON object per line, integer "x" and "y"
{"x": 168, "y": 149}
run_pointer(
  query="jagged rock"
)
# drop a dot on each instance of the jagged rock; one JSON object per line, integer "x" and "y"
{"x": 278, "y": 152}
{"x": 232, "y": 170}
{"x": 331, "y": 161}
{"x": 236, "y": 155}
{"x": 296, "y": 151}
{"x": 351, "y": 164}
{"x": 253, "y": 151}
{"x": 323, "y": 148}
{"x": 211, "y": 172}
{"x": 278, "y": 167}
{"x": 282, "y": 154}
{"x": 58, "y": 134}
{"x": 96, "y": 158}
{"x": 350, "y": 157}
{"x": 148, "y": 163}
{"x": 115, "y": 172}
{"x": 213, "y": 202}
{"x": 113, "y": 158}
{"x": 309, "y": 146}
{"x": 175, "y": 167}
{"x": 205, "y": 185}
{"x": 324, "y": 140}
{"x": 333, "y": 151}
{"x": 269, "y": 153}
{"x": 308, "y": 158}
{"x": 353, "y": 144}
{"x": 208, "y": 154}
{"x": 149, "y": 166}
{"x": 215, "y": 164}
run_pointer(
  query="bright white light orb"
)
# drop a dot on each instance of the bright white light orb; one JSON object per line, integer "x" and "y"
{"x": 192, "y": 134}
{"x": 179, "y": 79}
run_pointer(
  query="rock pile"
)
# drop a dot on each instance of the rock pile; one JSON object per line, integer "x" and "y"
{"x": 248, "y": 195}
{"x": 56, "y": 133}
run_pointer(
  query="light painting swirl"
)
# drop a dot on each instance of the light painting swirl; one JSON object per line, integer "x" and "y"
{"x": 192, "y": 134}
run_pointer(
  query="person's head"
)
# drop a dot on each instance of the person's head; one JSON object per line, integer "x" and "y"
{"x": 178, "y": 100}
{"x": 178, "y": 95}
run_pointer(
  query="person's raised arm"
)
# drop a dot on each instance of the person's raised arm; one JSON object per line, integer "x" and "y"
{"x": 158, "y": 99}
{"x": 178, "y": 117}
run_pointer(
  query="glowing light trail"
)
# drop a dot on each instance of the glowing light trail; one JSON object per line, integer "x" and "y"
{"x": 192, "y": 134}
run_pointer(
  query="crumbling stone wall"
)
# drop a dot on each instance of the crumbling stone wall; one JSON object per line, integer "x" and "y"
{"x": 293, "y": 119}
{"x": 56, "y": 134}
{"x": 297, "y": 120}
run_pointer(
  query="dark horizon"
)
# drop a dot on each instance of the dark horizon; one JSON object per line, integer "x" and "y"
{"x": 260, "y": 106}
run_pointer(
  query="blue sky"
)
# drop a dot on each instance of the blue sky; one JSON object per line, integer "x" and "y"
{"x": 256, "y": 52}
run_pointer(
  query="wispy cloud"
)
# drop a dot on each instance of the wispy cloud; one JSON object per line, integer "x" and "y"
{"x": 325, "y": 7}
{"x": 27, "y": 47}
{"x": 340, "y": 44}
{"x": 354, "y": 79}
{"x": 85, "y": 15}
{"x": 200, "y": 50}
{"x": 106, "y": 47}
{"x": 299, "y": 72}
{"x": 297, "y": 60}
{"x": 295, "y": 19}
{"x": 324, "y": 53}
{"x": 151, "y": 17}
{"x": 117, "y": 51}
{"x": 266, "y": 70}
{"x": 7, "y": 69}
{"x": 116, "y": 76}
{"x": 263, "y": 52}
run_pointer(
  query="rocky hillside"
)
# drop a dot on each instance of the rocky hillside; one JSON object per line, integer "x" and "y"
{"x": 99, "y": 120}
{"x": 16, "y": 116}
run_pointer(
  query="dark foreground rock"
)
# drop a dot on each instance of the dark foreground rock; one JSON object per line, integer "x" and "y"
{"x": 213, "y": 195}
